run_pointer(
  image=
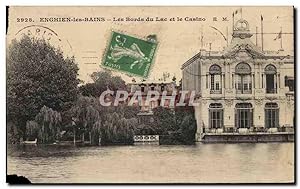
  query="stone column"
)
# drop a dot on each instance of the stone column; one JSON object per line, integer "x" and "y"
{"x": 264, "y": 80}
{"x": 221, "y": 80}
{"x": 206, "y": 82}
{"x": 256, "y": 74}
{"x": 280, "y": 77}
{"x": 209, "y": 81}
{"x": 253, "y": 81}
{"x": 225, "y": 73}
{"x": 203, "y": 78}
{"x": 199, "y": 77}
{"x": 230, "y": 77}
{"x": 258, "y": 114}
{"x": 224, "y": 81}
{"x": 228, "y": 113}
{"x": 275, "y": 81}
{"x": 199, "y": 122}
{"x": 257, "y": 77}
{"x": 279, "y": 82}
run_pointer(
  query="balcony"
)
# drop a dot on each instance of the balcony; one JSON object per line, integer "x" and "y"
{"x": 238, "y": 91}
{"x": 251, "y": 130}
{"x": 271, "y": 91}
{"x": 216, "y": 91}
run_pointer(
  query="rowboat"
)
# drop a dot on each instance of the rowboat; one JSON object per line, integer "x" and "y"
{"x": 30, "y": 142}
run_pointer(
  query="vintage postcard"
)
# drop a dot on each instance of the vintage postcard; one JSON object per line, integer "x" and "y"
{"x": 149, "y": 94}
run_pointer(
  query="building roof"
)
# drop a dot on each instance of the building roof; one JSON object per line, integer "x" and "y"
{"x": 150, "y": 82}
{"x": 240, "y": 43}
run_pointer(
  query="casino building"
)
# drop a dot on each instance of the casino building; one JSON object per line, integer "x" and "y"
{"x": 241, "y": 89}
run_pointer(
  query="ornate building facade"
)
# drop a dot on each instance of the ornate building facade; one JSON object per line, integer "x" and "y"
{"x": 144, "y": 87}
{"x": 242, "y": 89}
{"x": 161, "y": 87}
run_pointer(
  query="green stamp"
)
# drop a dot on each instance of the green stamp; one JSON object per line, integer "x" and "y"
{"x": 130, "y": 55}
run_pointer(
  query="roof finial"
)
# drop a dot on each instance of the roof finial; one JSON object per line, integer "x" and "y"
{"x": 241, "y": 13}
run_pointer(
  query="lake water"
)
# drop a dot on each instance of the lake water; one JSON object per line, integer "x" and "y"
{"x": 201, "y": 163}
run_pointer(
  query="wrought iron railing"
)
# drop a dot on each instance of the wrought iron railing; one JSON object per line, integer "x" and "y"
{"x": 243, "y": 91}
{"x": 271, "y": 91}
{"x": 216, "y": 91}
{"x": 249, "y": 130}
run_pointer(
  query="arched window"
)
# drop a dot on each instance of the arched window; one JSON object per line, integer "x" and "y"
{"x": 289, "y": 82}
{"x": 243, "y": 115}
{"x": 215, "y": 73}
{"x": 271, "y": 115}
{"x": 143, "y": 87}
{"x": 243, "y": 81}
{"x": 271, "y": 84}
{"x": 152, "y": 86}
{"x": 162, "y": 87}
{"x": 215, "y": 115}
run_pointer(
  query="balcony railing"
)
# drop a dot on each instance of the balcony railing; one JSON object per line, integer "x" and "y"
{"x": 235, "y": 130}
{"x": 238, "y": 91}
{"x": 216, "y": 91}
{"x": 271, "y": 91}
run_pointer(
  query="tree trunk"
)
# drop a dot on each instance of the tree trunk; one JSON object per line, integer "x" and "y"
{"x": 90, "y": 134}
{"x": 74, "y": 133}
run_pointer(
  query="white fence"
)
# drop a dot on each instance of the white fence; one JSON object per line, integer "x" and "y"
{"x": 146, "y": 138}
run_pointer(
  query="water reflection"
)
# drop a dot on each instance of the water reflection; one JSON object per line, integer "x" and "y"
{"x": 214, "y": 163}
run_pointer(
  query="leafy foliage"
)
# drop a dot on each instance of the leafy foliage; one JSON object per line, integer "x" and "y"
{"x": 128, "y": 111}
{"x": 179, "y": 125}
{"x": 164, "y": 120}
{"x": 45, "y": 127}
{"x": 12, "y": 133}
{"x": 111, "y": 124}
{"x": 102, "y": 81}
{"x": 117, "y": 129}
{"x": 43, "y": 101}
{"x": 38, "y": 75}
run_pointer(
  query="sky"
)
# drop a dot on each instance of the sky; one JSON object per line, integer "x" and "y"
{"x": 177, "y": 40}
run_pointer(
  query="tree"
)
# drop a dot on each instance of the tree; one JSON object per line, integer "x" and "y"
{"x": 117, "y": 130}
{"x": 12, "y": 133}
{"x": 128, "y": 111}
{"x": 85, "y": 114}
{"x": 178, "y": 126}
{"x": 96, "y": 132}
{"x": 45, "y": 127}
{"x": 188, "y": 129}
{"x": 102, "y": 81}
{"x": 33, "y": 130}
{"x": 164, "y": 119}
{"x": 38, "y": 75}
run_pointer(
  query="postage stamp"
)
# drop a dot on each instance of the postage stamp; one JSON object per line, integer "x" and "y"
{"x": 130, "y": 55}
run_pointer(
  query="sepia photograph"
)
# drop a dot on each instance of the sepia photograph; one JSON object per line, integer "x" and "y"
{"x": 150, "y": 95}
